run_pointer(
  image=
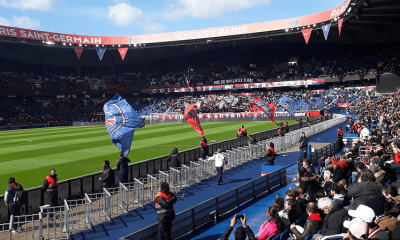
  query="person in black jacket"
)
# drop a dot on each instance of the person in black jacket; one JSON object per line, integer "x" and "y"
{"x": 122, "y": 166}
{"x": 174, "y": 160}
{"x": 271, "y": 154}
{"x": 303, "y": 142}
{"x": 13, "y": 201}
{"x": 164, "y": 201}
{"x": 240, "y": 232}
{"x": 314, "y": 222}
{"x": 335, "y": 216}
{"x": 107, "y": 176}
{"x": 293, "y": 213}
{"x": 204, "y": 148}
{"x": 50, "y": 188}
{"x": 337, "y": 173}
{"x": 365, "y": 188}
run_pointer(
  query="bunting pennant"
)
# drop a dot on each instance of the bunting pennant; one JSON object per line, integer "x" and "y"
{"x": 100, "y": 52}
{"x": 340, "y": 23}
{"x": 122, "y": 52}
{"x": 306, "y": 34}
{"x": 78, "y": 52}
{"x": 268, "y": 108}
{"x": 325, "y": 29}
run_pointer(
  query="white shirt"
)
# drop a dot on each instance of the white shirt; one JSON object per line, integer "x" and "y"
{"x": 219, "y": 159}
{"x": 364, "y": 133}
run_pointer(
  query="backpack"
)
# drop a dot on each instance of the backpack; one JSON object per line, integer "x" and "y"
{"x": 15, "y": 195}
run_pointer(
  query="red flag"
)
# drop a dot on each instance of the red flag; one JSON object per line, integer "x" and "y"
{"x": 192, "y": 118}
{"x": 306, "y": 34}
{"x": 78, "y": 51}
{"x": 269, "y": 109}
{"x": 340, "y": 23}
{"x": 122, "y": 52}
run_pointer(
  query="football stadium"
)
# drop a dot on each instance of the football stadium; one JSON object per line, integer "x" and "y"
{"x": 286, "y": 129}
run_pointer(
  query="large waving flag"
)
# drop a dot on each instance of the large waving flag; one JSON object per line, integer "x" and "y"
{"x": 121, "y": 122}
{"x": 192, "y": 118}
{"x": 289, "y": 104}
{"x": 269, "y": 109}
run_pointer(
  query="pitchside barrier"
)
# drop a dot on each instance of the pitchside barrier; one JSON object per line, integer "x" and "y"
{"x": 207, "y": 211}
{"x": 85, "y": 203}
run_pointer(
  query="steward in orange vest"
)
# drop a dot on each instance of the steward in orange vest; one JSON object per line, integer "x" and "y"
{"x": 271, "y": 154}
{"x": 204, "y": 148}
{"x": 280, "y": 132}
{"x": 287, "y": 127}
{"x": 244, "y": 131}
{"x": 164, "y": 201}
{"x": 50, "y": 188}
{"x": 239, "y": 133}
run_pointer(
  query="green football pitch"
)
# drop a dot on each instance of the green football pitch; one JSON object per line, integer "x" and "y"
{"x": 29, "y": 154}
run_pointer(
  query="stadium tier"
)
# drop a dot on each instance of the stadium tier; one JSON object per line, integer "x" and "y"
{"x": 288, "y": 128}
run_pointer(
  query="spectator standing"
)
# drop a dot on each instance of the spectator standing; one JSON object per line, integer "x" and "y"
{"x": 339, "y": 134}
{"x": 244, "y": 131}
{"x": 204, "y": 148}
{"x": 107, "y": 175}
{"x": 50, "y": 188}
{"x": 271, "y": 154}
{"x": 174, "y": 160}
{"x": 164, "y": 201}
{"x": 13, "y": 199}
{"x": 220, "y": 160}
{"x": 303, "y": 142}
{"x": 122, "y": 166}
{"x": 239, "y": 133}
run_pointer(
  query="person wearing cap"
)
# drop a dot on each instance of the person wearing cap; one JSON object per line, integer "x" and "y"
{"x": 271, "y": 154}
{"x": 314, "y": 222}
{"x": 389, "y": 175}
{"x": 365, "y": 188}
{"x": 368, "y": 215}
{"x": 335, "y": 215}
{"x": 380, "y": 176}
{"x": 220, "y": 160}
{"x": 358, "y": 229}
{"x": 308, "y": 181}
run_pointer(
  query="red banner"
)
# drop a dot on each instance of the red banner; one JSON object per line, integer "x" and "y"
{"x": 177, "y": 36}
{"x": 192, "y": 118}
{"x": 122, "y": 52}
{"x": 343, "y": 105}
{"x": 306, "y": 34}
{"x": 78, "y": 52}
{"x": 340, "y": 23}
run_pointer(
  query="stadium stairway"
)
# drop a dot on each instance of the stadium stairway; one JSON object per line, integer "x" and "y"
{"x": 123, "y": 225}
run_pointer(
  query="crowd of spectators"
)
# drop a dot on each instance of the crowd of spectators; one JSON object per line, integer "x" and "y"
{"x": 237, "y": 101}
{"x": 354, "y": 196}
{"x": 225, "y": 71}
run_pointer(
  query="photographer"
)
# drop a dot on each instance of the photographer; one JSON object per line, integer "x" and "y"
{"x": 241, "y": 232}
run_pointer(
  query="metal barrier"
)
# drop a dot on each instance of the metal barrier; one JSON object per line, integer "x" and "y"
{"x": 31, "y": 227}
{"x": 81, "y": 214}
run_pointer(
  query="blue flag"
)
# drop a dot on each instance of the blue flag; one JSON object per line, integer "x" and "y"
{"x": 121, "y": 122}
{"x": 289, "y": 104}
{"x": 325, "y": 29}
{"x": 100, "y": 52}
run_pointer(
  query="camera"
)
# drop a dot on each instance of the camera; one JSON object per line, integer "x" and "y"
{"x": 241, "y": 216}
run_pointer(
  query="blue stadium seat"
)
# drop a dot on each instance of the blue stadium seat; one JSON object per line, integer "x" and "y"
{"x": 284, "y": 235}
{"x": 309, "y": 237}
{"x": 274, "y": 238}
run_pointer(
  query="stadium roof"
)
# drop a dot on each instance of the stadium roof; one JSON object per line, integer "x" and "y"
{"x": 247, "y": 31}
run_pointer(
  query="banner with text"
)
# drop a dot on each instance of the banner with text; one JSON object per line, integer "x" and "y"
{"x": 296, "y": 22}
{"x": 267, "y": 85}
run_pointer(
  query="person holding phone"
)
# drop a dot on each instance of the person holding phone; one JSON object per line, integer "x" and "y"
{"x": 241, "y": 232}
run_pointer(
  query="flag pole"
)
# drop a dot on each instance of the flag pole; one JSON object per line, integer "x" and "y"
{"x": 287, "y": 111}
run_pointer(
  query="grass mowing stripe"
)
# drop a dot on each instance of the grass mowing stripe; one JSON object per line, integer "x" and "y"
{"x": 46, "y": 150}
{"x": 30, "y": 172}
{"x": 45, "y": 144}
